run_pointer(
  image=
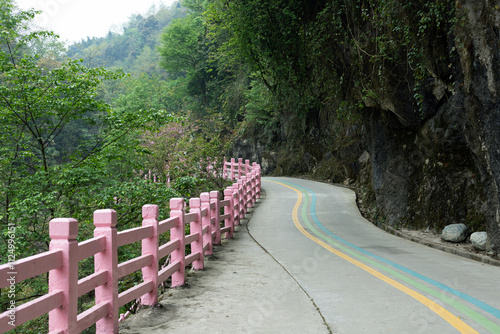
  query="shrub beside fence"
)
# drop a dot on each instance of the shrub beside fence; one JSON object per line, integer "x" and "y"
{"x": 65, "y": 252}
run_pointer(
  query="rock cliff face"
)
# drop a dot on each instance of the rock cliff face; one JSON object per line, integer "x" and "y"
{"x": 425, "y": 170}
{"x": 445, "y": 168}
{"x": 478, "y": 94}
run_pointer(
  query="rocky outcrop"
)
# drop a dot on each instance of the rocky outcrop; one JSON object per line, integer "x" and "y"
{"x": 427, "y": 177}
{"x": 254, "y": 151}
{"x": 480, "y": 93}
{"x": 445, "y": 167}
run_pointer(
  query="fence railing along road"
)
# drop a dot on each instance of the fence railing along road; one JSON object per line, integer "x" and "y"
{"x": 65, "y": 252}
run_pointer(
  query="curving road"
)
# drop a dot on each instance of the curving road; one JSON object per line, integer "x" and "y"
{"x": 364, "y": 280}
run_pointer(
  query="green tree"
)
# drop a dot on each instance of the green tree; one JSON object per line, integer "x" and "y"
{"x": 150, "y": 91}
{"x": 272, "y": 37}
{"x": 181, "y": 46}
{"x": 38, "y": 103}
{"x": 65, "y": 152}
{"x": 185, "y": 51}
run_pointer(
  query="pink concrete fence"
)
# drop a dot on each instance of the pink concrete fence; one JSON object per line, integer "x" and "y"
{"x": 233, "y": 170}
{"x": 61, "y": 261}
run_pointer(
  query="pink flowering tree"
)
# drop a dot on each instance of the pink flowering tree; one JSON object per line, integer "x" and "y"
{"x": 185, "y": 153}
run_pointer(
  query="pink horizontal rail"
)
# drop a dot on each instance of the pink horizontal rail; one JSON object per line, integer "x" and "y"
{"x": 31, "y": 310}
{"x": 134, "y": 293}
{"x": 61, "y": 261}
{"x": 191, "y": 258}
{"x": 135, "y": 264}
{"x": 30, "y": 267}
{"x": 168, "y": 248}
{"x": 225, "y": 216}
{"x": 134, "y": 234}
{"x": 167, "y": 224}
{"x": 190, "y": 217}
{"x": 91, "y": 282}
{"x": 225, "y": 229}
{"x": 191, "y": 238}
{"x": 168, "y": 271}
{"x": 204, "y": 212}
{"x": 90, "y": 247}
{"x": 205, "y": 247}
{"x": 91, "y": 316}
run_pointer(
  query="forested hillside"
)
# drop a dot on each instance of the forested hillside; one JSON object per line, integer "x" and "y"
{"x": 399, "y": 99}
{"x": 131, "y": 47}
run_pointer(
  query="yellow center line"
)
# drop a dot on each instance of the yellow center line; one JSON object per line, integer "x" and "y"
{"x": 453, "y": 320}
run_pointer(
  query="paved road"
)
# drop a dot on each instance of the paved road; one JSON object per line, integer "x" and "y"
{"x": 364, "y": 280}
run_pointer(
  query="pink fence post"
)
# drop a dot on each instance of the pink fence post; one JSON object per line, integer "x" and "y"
{"x": 244, "y": 188}
{"x": 240, "y": 168}
{"x": 107, "y": 260}
{"x": 248, "y": 182}
{"x": 206, "y": 223}
{"x": 254, "y": 187}
{"x": 150, "y": 214}
{"x": 178, "y": 233}
{"x": 215, "y": 217}
{"x": 224, "y": 169}
{"x": 259, "y": 182}
{"x": 232, "y": 169}
{"x": 196, "y": 227}
{"x": 242, "y": 198}
{"x": 236, "y": 204}
{"x": 228, "y": 195}
{"x": 250, "y": 189}
{"x": 63, "y": 232}
{"x": 247, "y": 166}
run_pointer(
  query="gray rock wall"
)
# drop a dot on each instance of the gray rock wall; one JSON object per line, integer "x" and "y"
{"x": 445, "y": 167}
{"x": 480, "y": 78}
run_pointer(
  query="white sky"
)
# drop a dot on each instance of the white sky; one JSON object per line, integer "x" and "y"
{"x": 73, "y": 20}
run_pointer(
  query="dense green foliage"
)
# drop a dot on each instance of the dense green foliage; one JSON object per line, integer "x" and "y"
{"x": 325, "y": 59}
{"x": 77, "y": 137}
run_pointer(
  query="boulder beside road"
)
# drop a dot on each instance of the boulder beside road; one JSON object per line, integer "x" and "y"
{"x": 478, "y": 240}
{"x": 455, "y": 233}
